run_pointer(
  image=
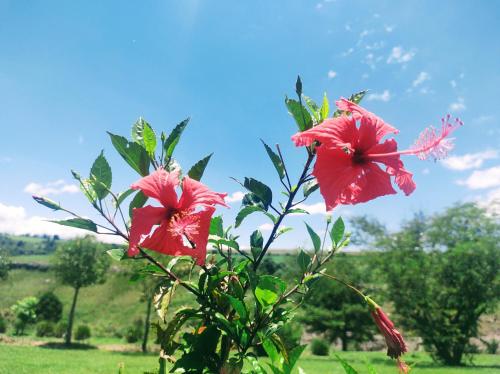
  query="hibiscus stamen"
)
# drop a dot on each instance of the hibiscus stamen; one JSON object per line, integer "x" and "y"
{"x": 430, "y": 142}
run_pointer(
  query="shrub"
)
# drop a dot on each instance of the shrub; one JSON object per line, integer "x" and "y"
{"x": 49, "y": 308}
{"x": 3, "y": 325}
{"x": 290, "y": 335}
{"x": 45, "y": 328}
{"x": 491, "y": 346}
{"x": 60, "y": 329}
{"x": 320, "y": 347}
{"x": 25, "y": 312}
{"x": 134, "y": 332}
{"x": 82, "y": 332}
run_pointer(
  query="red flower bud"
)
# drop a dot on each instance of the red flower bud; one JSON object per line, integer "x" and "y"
{"x": 396, "y": 346}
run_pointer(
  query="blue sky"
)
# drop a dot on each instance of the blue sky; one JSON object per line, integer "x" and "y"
{"x": 69, "y": 71}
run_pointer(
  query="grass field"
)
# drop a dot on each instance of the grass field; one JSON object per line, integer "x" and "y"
{"x": 27, "y": 359}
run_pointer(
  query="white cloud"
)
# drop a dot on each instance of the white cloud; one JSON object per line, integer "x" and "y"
{"x": 483, "y": 119}
{"x": 458, "y": 106}
{"x": 316, "y": 208}
{"x": 399, "y": 55}
{"x": 14, "y": 220}
{"x": 384, "y": 96}
{"x": 347, "y": 27}
{"x": 81, "y": 139}
{"x": 421, "y": 78}
{"x": 348, "y": 52}
{"x": 319, "y": 6}
{"x": 235, "y": 197}
{"x": 453, "y": 83}
{"x": 491, "y": 201}
{"x": 479, "y": 179}
{"x": 389, "y": 28}
{"x": 331, "y": 74}
{"x": 266, "y": 227}
{"x": 57, "y": 187}
{"x": 469, "y": 160}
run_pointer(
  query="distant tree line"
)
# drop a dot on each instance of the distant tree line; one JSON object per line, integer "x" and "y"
{"x": 27, "y": 244}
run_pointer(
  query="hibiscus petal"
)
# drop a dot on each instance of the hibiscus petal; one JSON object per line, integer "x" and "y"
{"x": 335, "y": 172}
{"x": 404, "y": 180}
{"x": 373, "y": 183}
{"x": 332, "y": 132}
{"x": 160, "y": 185}
{"x": 143, "y": 220}
{"x": 196, "y": 194}
{"x": 169, "y": 237}
{"x": 360, "y": 113}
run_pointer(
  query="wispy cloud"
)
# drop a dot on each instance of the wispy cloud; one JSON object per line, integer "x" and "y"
{"x": 458, "y": 105}
{"x": 266, "y": 227}
{"x": 347, "y": 52}
{"x": 235, "y": 197}
{"x": 316, "y": 208}
{"x": 483, "y": 119}
{"x": 388, "y": 28}
{"x": 481, "y": 179}
{"x": 14, "y": 220}
{"x": 57, "y": 187}
{"x": 385, "y": 96}
{"x": 469, "y": 160}
{"x": 331, "y": 74}
{"x": 399, "y": 55}
{"x": 421, "y": 78}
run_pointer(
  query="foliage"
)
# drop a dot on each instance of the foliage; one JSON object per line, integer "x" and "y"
{"x": 4, "y": 264}
{"x": 49, "y": 307}
{"x": 335, "y": 311}
{"x": 3, "y": 324}
{"x": 45, "y": 328}
{"x": 491, "y": 345}
{"x": 80, "y": 263}
{"x": 450, "y": 263}
{"x": 60, "y": 329}
{"x": 320, "y": 347}
{"x": 135, "y": 331}
{"x": 28, "y": 244}
{"x": 25, "y": 313}
{"x": 82, "y": 332}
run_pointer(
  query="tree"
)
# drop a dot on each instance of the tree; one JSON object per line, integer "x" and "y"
{"x": 49, "y": 307}
{"x": 4, "y": 264}
{"x": 442, "y": 276}
{"x": 25, "y": 312}
{"x": 80, "y": 263}
{"x": 335, "y": 310}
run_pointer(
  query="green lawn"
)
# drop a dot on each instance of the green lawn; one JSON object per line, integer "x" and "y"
{"x": 25, "y": 359}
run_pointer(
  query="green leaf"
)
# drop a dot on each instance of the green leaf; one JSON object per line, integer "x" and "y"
{"x": 269, "y": 289}
{"x": 355, "y": 98}
{"x": 282, "y": 230}
{"x": 117, "y": 254}
{"x": 309, "y": 187}
{"x": 163, "y": 298}
{"x": 299, "y": 114}
{"x": 325, "y": 108}
{"x": 276, "y": 160}
{"x": 246, "y": 211}
{"x": 313, "y": 107}
{"x": 271, "y": 351}
{"x": 337, "y": 232}
{"x": 316, "y": 240}
{"x": 122, "y": 196}
{"x": 79, "y": 223}
{"x": 239, "y": 307}
{"x": 293, "y": 357}
{"x": 101, "y": 176}
{"x": 303, "y": 260}
{"x": 216, "y": 226}
{"x": 86, "y": 187}
{"x": 143, "y": 134}
{"x": 134, "y": 154}
{"x": 256, "y": 243}
{"x": 258, "y": 188}
{"x": 196, "y": 171}
{"x": 173, "y": 139}
{"x": 47, "y": 202}
{"x": 347, "y": 368}
{"x": 251, "y": 199}
{"x": 298, "y": 86}
{"x": 297, "y": 211}
{"x": 137, "y": 202}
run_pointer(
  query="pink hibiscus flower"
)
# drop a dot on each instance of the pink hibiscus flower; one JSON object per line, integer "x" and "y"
{"x": 178, "y": 227}
{"x": 349, "y": 158}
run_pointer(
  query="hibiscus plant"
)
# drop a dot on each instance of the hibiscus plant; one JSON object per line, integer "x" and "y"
{"x": 237, "y": 307}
